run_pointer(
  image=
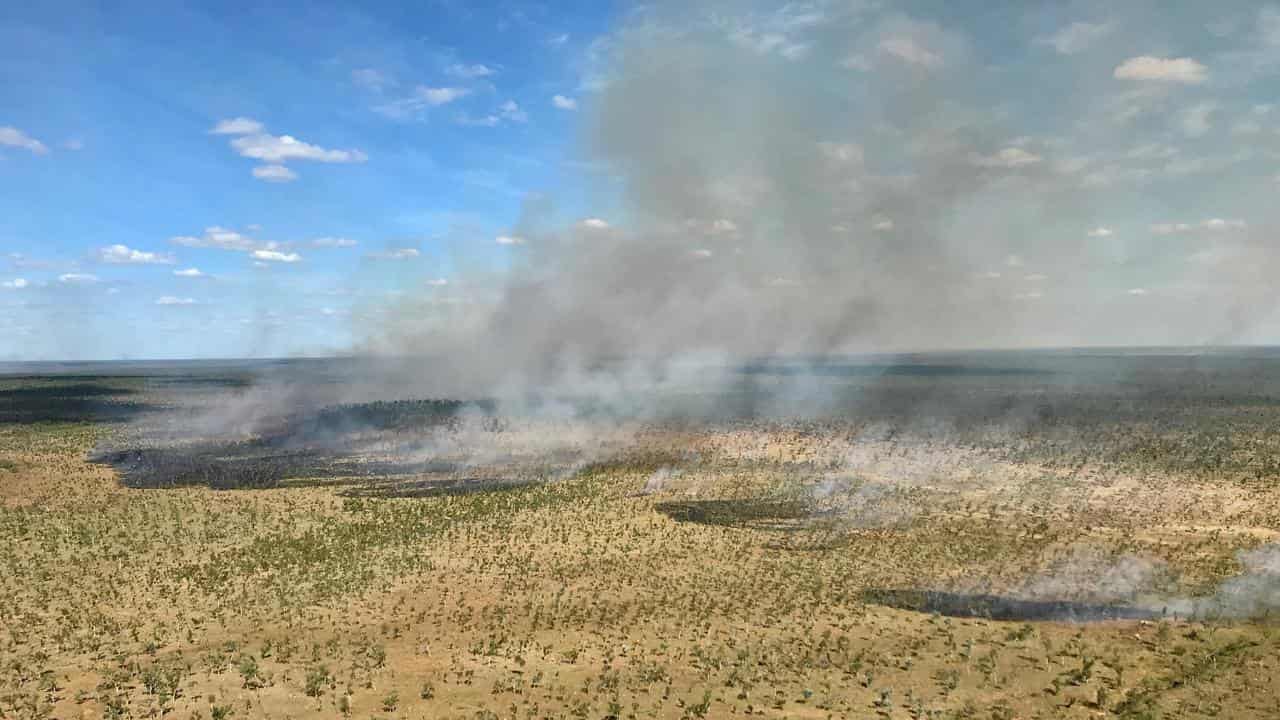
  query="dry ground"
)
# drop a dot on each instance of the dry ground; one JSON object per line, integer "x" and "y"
{"x": 624, "y": 590}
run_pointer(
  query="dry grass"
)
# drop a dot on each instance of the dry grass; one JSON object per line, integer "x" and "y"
{"x": 726, "y": 589}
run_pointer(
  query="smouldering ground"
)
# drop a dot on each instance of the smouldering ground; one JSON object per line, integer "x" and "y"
{"x": 704, "y": 572}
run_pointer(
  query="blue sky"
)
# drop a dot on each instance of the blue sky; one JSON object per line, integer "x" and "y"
{"x": 197, "y": 179}
{"x": 420, "y": 125}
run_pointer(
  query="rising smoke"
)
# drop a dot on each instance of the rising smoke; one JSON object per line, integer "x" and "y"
{"x": 813, "y": 179}
{"x": 775, "y": 199}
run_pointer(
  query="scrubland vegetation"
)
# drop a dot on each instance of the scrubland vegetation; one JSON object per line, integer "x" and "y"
{"x": 738, "y": 569}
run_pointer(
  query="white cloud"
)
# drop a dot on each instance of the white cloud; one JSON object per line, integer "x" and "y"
{"x": 511, "y": 111}
{"x": 274, "y": 173}
{"x": 171, "y": 300}
{"x": 701, "y": 253}
{"x": 1076, "y": 37}
{"x": 372, "y": 79}
{"x": 1101, "y": 232}
{"x": 509, "y": 240}
{"x": 275, "y": 256}
{"x": 594, "y": 223}
{"x": 909, "y": 51}
{"x": 22, "y": 262}
{"x": 1137, "y": 291}
{"x": 333, "y": 242}
{"x": 1179, "y": 70}
{"x": 396, "y": 254}
{"x": 723, "y": 227}
{"x": 1197, "y": 119}
{"x": 124, "y": 255}
{"x": 1171, "y": 228}
{"x": 564, "y": 103}
{"x": 438, "y": 282}
{"x": 883, "y": 225}
{"x": 1010, "y": 158}
{"x": 1219, "y": 224}
{"x": 1210, "y": 225}
{"x": 422, "y": 98}
{"x": 470, "y": 72}
{"x": 219, "y": 238}
{"x": 77, "y": 278}
{"x": 237, "y": 126}
{"x": 15, "y": 284}
{"x": 440, "y": 95}
{"x": 190, "y": 273}
{"x": 483, "y": 121}
{"x": 842, "y": 153}
{"x": 13, "y": 137}
{"x": 282, "y": 148}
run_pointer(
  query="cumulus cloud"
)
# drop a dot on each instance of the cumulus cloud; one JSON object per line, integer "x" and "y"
{"x": 1183, "y": 70}
{"x": 422, "y": 98}
{"x": 1076, "y": 37}
{"x": 1210, "y": 225}
{"x": 723, "y": 227}
{"x": 190, "y": 273}
{"x": 910, "y": 51}
{"x": 470, "y": 72}
{"x": 171, "y": 300}
{"x": 395, "y": 254}
{"x": 13, "y": 137}
{"x": 371, "y": 79}
{"x": 274, "y": 173}
{"x": 594, "y": 223}
{"x": 482, "y": 121}
{"x": 77, "y": 278}
{"x": 564, "y": 103}
{"x": 333, "y": 242}
{"x": 275, "y": 256}
{"x": 441, "y": 95}
{"x": 237, "y": 126}
{"x": 219, "y": 238}
{"x": 1217, "y": 224}
{"x": 282, "y": 148}
{"x": 124, "y": 255}
{"x": 15, "y": 284}
{"x": 509, "y": 240}
{"x": 1171, "y": 228}
{"x": 510, "y": 110}
{"x": 1009, "y": 158}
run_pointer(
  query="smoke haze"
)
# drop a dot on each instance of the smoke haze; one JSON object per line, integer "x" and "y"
{"x": 815, "y": 179}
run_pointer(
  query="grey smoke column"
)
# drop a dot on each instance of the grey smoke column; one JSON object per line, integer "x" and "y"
{"x": 776, "y": 201}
